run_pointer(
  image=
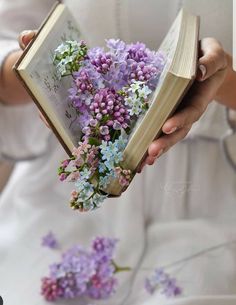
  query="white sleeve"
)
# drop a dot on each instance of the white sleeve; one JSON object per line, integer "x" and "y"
{"x": 19, "y": 15}
{"x": 22, "y": 134}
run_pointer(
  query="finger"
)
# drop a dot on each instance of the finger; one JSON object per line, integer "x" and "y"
{"x": 148, "y": 161}
{"x": 161, "y": 145}
{"x": 25, "y": 37}
{"x": 213, "y": 59}
{"x": 158, "y": 147}
{"x": 141, "y": 166}
{"x": 185, "y": 117}
{"x": 204, "y": 93}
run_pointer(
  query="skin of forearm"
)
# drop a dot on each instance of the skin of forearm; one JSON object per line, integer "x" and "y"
{"x": 226, "y": 94}
{"x": 11, "y": 90}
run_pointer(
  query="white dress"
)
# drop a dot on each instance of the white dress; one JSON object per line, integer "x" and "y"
{"x": 183, "y": 204}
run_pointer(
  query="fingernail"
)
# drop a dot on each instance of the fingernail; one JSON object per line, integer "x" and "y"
{"x": 171, "y": 130}
{"x": 203, "y": 70}
{"x": 27, "y": 36}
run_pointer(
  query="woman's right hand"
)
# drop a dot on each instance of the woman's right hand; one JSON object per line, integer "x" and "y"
{"x": 11, "y": 90}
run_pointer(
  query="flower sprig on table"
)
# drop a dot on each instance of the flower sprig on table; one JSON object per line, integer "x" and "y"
{"x": 84, "y": 273}
{"x": 110, "y": 91}
{"x": 91, "y": 274}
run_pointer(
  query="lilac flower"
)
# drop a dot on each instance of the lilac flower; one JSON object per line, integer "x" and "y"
{"x": 116, "y": 46}
{"x": 162, "y": 282}
{"x": 171, "y": 289}
{"x": 51, "y": 290}
{"x": 107, "y": 103}
{"x": 100, "y": 60}
{"x": 110, "y": 90}
{"x": 123, "y": 175}
{"x": 103, "y": 248}
{"x": 50, "y": 241}
{"x": 83, "y": 273}
{"x": 137, "y": 98}
{"x": 68, "y": 55}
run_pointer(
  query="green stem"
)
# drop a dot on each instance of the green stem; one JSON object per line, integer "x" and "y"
{"x": 120, "y": 269}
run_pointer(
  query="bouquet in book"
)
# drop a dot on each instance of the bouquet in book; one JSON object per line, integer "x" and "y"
{"x": 110, "y": 90}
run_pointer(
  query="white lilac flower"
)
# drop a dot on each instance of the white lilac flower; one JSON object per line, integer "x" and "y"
{"x": 98, "y": 199}
{"x": 137, "y": 98}
{"x": 101, "y": 167}
{"x": 62, "y": 49}
{"x": 135, "y": 86}
{"x": 67, "y": 57}
{"x": 85, "y": 174}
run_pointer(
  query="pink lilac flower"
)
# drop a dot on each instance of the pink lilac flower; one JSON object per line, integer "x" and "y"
{"x": 50, "y": 241}
{"x": 124, "y": 176}
{"x": 51, "y": 290}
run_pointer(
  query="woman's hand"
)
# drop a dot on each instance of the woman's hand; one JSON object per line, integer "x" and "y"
{"x": 11, "y": 90}
{"x": 212, "y": 70}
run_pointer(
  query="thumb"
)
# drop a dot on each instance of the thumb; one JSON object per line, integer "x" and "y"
{"x": 25, "y": 38}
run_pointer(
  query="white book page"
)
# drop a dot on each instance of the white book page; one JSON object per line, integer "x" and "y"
{"x": 42, "y": 73}
{"x": 167, "y": 48}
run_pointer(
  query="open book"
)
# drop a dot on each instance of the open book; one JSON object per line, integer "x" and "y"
{"x": 38, "y": 74}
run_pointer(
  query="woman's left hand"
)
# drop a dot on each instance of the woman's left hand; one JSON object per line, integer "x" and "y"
{"x": 212, "y": 69}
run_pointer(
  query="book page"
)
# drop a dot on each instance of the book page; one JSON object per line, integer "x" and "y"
{"x": 43, "y": 74}
{"x": 167, "y": 48}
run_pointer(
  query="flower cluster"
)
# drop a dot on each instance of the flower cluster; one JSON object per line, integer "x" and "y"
{"x": 162, "y": 282}
{"x": 110, "y": 90}
{"x": 50, "y": 241}
{"x": 67, "y": 57}
{"x": 83, "y": 273}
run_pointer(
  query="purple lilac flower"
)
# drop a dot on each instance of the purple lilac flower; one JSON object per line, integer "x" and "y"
{"x": 171, "y": 289}
{"x": 83, "y": 273}
{"x": 162, "y": 282}
{"x": 107, "y": 103}
{"x": 103, "y": 248}
{"x": 50, "y": 241}
{"x": 101, "y": 60}
{"x": 110, "y": 90}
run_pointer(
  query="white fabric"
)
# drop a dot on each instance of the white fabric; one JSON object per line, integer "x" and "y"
{"x": 180, "y": 206}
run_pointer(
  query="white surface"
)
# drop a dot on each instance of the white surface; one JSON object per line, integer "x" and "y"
{"x": 183, "y": 204}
